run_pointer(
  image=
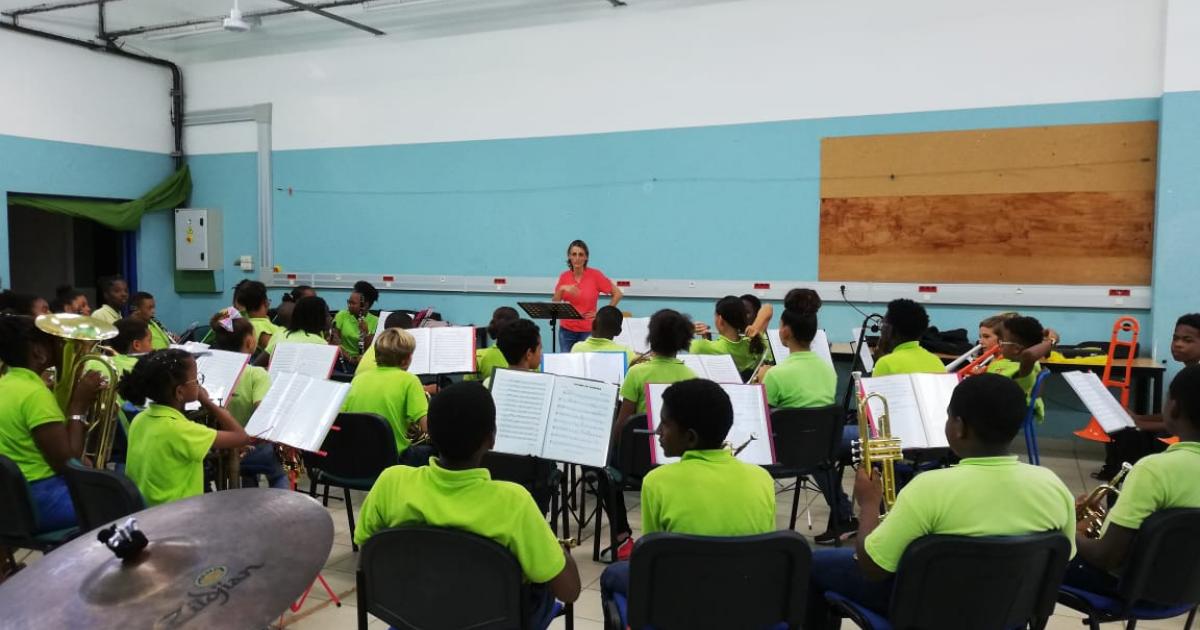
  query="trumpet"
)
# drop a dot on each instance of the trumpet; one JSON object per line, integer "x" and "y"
{"x": 1094, "y": 508}
{"x": 876, "y": 445}
{"x": 82, "y": 352}
{"x": 569, "y": 543}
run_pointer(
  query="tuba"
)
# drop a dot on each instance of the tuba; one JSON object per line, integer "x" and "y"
{"x": 875, "y": 445}
{"x": 1093, "y": 509}
{"x": 81, "y": 345}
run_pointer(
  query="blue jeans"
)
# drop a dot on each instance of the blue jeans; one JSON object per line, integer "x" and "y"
{"x": 262, "y": 461}
{"x": 568, "y": 338}
{"x": 1082, "y": 575}
{"x": 614, "y": 580}
{"x": 52, "y": 504}
{"x": 837, "y": 570}
{"x": 417, "y": 456}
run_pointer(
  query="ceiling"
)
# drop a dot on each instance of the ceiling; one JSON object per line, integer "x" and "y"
{"x": 190, "y": 30}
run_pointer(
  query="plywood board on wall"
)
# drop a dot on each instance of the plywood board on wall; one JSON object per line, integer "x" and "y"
{"x": 1045, "y": 205}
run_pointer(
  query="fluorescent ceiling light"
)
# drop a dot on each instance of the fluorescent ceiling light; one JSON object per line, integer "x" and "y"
{"x": 185, "y": 31}
{"x": 388, "y": 5}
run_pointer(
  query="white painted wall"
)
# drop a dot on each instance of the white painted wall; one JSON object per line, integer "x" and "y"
{"x": 729, "y": 62}
{"x": 1182, "y": 46}
{"x": 54, "y": 91}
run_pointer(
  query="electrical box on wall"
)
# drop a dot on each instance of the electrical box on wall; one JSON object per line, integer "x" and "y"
{"x": 198, "y": 239}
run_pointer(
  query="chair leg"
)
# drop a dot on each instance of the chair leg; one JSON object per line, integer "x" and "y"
{"x": 795, "y": 504}
{"x": 1191, "y": 617}
{"x": 361, "y": 599}
{"x": 325, "y": 499}
{"x": 349, "y": 517}
{"x": 1131, "y": 625}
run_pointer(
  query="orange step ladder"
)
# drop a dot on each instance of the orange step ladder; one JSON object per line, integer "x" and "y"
{"x": 1125, "y": 324}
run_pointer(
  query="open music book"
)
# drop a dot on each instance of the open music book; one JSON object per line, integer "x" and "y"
{"x": 634, "y": 331}
{"x": 561, "y": 418}
{"x": 609, "y": 367}
{"x": 1099, "y": 400}
{"x": 819, "y": 346}
{"x": 310, "y": 359}
{"x": 443, "y": 350}
{"x": 220, "y": 369}
{"x": 864, "y": 353}
{"x": 298, "y": 411}
{"x": 750, "y": 418}
{"x": 718, "y": 368}
{"x": 916, "y": 405}
{"x": 382, "y": 325}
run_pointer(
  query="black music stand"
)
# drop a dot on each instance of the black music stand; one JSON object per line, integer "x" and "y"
{"x": 552, "y": 311}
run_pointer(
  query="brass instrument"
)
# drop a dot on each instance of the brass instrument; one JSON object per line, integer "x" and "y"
{"x": 292, "y": 462}
{"x": 81, "y": 345}
{"x": 1094, "y": 508}
{"x": 641, "y": 358}
{"x": 416, "y": 436}
{"x": 876, "y": 446}
{"x": 569, "y": 543}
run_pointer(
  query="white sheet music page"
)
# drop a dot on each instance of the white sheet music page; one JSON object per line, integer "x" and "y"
{"x": 634, "y": 331}
{"x": 904, "y": 413}
{"x": 933, "y": 397}
{"x": 864, "y": 353}
{"x": 382, "y": 325}
{"x": 820, "y": 347}
{"x": 309, "y": 359}
{"x": 221, "y": 370}
{"x": 721, "y": 368}
{"x": 522, "y": 405}
{"x": 1099, "y": 400}
{"x": 276, "y": 405}
{"x": 609, "y": 367}
{"x": 778, "y": 350}
{"x": 451, "y": 350}
{"x": 314, "y": 411}
{"x": 564, "y": 364}
{"x": 580, "y": 421}
{"x": 422, "y": 353}
{"x": 750, "y": 418}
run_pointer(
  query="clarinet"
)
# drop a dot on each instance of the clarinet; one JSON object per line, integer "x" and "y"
{"x": 362, "y": 337}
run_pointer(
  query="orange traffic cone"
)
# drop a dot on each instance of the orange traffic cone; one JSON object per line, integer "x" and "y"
{"x": 1093, "y": 432}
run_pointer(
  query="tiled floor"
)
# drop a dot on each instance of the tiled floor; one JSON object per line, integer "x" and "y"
{"x": 319, "y": 613}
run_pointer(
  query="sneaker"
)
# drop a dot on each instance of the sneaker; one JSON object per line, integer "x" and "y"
{"x": 625, "y": 549}
{"x": 831, "y": 535}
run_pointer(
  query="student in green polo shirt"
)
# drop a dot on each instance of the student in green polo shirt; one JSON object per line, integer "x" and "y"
{"x": 233, "y": 333}
{"x": 253, "y": 301}
{"x": 354, "y": 326}
{"x": 133, "y": 340}
{"x": 143, "y": 308}
{"x": 521, "y": 344}
{"x": 114, "y": 293}
{"x": 989, "y": 493}
{"x": 731, "y": 321}
{"x": 34, "y": 431}
{"x": 1157, "y": 482}
{"x": 166, "y": 450}
{"x": 605, "y": 326}
{"x": 309, "y": 324}
{"x": 903, "y": 325}
{"x": 396, "y": 319}
{"x": 455, "y": 492}
{"x": 488, "y": 359}
{"x": 390, "y": 391}
{"x": 1023, "y": 342}
{"x": 707, "y": 492}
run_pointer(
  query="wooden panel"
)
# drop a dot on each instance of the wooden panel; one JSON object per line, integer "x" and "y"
{"x": 1109, "y": 157}
{"x": 1030, "y": 238}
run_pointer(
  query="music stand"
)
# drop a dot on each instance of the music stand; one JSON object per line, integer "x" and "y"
{"x": 552, "y": 311}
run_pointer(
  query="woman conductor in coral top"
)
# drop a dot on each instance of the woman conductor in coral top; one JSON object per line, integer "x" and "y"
{"x": 581, "y": 286}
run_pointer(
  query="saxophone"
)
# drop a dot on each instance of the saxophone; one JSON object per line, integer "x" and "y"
{"x": 1094, "y": 508}
{"x": 876, "y": 445}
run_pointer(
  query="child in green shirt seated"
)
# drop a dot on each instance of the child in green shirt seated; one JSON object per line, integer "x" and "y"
{"x": 490, "y": 358}
{"x": 1023, "y": 342}
{"x": 392, "y": 392}
{"x": 731, "y": 321}
{"x": 143, "y": 309}
{"x": 989, "y": 493}
{"x": 605, "y": 327}
{"x": 903, "y": 324}
{"x": 455, "y": 492}
{"x": 354, "y": 326}
{"x": 252, "y": 299}
{"x": 309, "y": 324}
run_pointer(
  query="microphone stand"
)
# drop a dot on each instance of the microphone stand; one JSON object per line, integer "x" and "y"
{"x": 856, "y": 363}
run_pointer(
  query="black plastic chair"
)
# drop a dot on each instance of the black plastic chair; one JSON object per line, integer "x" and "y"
{"x": 807, "y": 443}
{"x": 18, "y": 517}
{"x": 357, "y": 450}
{"x": 985, "y": 582}
{"x": 100, "y": 496}
{"x": 417, "y": 577}
{"x": 682, "y": 581}
{"x": 539, "y": 476}
{"x": 1160, "y": 580}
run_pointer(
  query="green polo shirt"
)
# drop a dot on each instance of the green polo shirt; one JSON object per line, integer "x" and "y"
{"x": 28, "y": 404}
{"x": 981, "y": 496}
{"x": 908, "y": 358}
{"x": 347, "y": 325}
{"x": 656, "y": 370}
{"x": 263, "y": 326}
{"x": 743, "y": 357}
{"x": 166, "y": 454}
{"x": 802, "y": 380}
{"x": 106, "y": 314}
{"x": 367, "y": 362}
{"x": 708, "y": 493}
{"x": 392, "y": 393}
{"x": 1005, "y": 367}
{"x": 295, "y": 336}
{"x": 596, "y": 344}
{"x": 251, "y": 389}
{"x": 467, "y": 500}
{"x": 1158, "y": 482}
{"x": 159, "y": 339}
{"x": 486, "y": 362}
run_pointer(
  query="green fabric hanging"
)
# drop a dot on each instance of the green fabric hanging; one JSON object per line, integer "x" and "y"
{"x": 118, "y": 215}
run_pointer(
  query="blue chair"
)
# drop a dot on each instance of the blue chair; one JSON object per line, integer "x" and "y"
{"x": 1161, "y": 578}
{"x": 1030, "y": 426}
{"x": 982, "y": 583}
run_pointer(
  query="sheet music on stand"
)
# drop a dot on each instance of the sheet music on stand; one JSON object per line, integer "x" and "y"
{"x": 382, "y": 325}
{"x": 819, "y": 346}
{"x": 1099, "y": 400}
{"x": 864, "y": 352}
{"x": 561, "y": 418}
{"x": 718, "y": 368}
{"x": 634, "y": 331}
{"x": 443, "y": 350}
{"x": 751, "y": 417}
{"x": 298, "y": 411}
{"x": 609, "y": 367}
{"x": 310, "y": 359}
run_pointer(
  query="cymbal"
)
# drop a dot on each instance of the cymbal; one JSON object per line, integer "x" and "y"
{"x": 229, "y": 559}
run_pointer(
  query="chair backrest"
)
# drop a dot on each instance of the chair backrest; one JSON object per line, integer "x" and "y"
{"x": 952, "y": 582}
{"x": 17, "y": 518}
{"x": 426, "y": 577}
{"x": 681, "y": 581}
{"x": 1162, "y": 566}
{"x": 1036, "y": 391}
{"x": 100, "y": 496}
{"x": 633, "y": 448}
{"x": 807, "y": 438}
{"x": 360, "y": 446}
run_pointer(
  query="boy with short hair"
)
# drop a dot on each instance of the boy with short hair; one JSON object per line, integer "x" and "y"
{"x": 143, "y": 309}
{"x": 521, "y": 344}
{"x": 1157, "y": 482}
{"x": 454, "y": 491}
{"x": 708, "y": 492}
{"x": 392, "y": 392}
{"x": 903, "y": 325}
{"x": 989, "y": 493}
{"x": 605, "y": 327}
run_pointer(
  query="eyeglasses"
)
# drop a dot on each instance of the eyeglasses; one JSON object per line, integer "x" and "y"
{"x": 1009, "y": 343}
{"x": 199, "y": 380}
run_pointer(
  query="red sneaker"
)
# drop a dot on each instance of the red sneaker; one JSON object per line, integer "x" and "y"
{"x": 625, "y": 549}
